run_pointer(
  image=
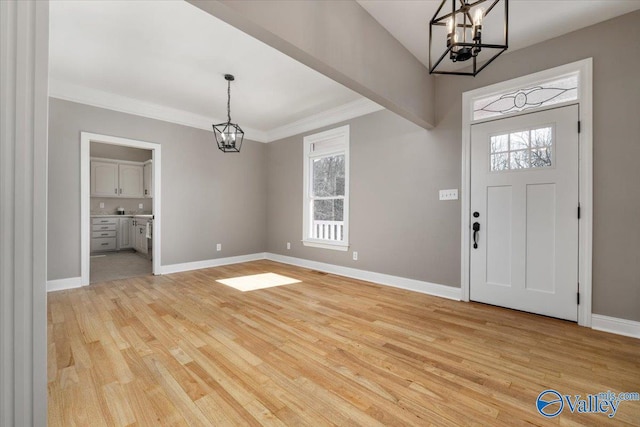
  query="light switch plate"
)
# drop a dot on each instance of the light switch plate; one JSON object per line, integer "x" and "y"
{"x": 449, "y": 194}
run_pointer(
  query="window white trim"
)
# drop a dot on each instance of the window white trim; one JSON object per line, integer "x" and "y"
{"x": 315, "y": 243}
{"x": 337, "y": 133}
{"x": 85, "y": 209}
{"x": 585, "y": 102}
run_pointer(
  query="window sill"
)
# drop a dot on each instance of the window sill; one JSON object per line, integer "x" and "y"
{"x": 325, "y": 245}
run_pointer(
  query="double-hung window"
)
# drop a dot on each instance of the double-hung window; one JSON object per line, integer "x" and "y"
{"x": 326, "y": 189}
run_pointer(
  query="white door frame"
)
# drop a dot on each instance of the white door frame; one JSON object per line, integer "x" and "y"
{"x": 585, "y": 103}
{"x": 86, "y": 139}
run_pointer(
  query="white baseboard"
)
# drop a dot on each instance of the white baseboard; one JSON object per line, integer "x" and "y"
{"x": 629, "y": 328}
{"x": 208, "y": 263}
{"x": 370, "y": 276}
{"x": 613, "y": 325}
{"x": 62, "y": 284}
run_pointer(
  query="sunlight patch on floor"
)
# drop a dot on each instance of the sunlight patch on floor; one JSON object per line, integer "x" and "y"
{"x": 258, "y": 281}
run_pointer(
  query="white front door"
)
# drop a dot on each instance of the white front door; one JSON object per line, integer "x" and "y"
{"x": 524, "y": 202}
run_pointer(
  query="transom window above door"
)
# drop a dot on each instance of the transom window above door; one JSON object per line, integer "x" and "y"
{"x": 542, "y": 94}
{"x": 522, "y": 149}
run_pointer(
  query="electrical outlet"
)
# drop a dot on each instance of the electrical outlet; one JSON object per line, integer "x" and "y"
{"x": 355, "y": 255}
{"x": 101, "y": 205}
{"x": 219, "y": 247}
{"x": 288, "y": 245}
{"x": 140, "y": 206}
{"x": 449, "y": 194}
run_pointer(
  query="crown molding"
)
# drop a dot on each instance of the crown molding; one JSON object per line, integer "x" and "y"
{"x": 97, "y": 98}
{"x": 350, "y": 110}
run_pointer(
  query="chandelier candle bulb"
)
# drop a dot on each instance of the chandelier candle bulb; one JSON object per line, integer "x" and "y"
{"x": 477, "y": 16}
{"x": 455, "y": 48}
{"x": 477, "y": 25}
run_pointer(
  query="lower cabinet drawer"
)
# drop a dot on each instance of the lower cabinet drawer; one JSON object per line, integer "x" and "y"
{"x": 97, "y": 221}
{"x": 103, "y": 227}
{"x": 103, "y": 234}
{"x": 103, "y": 244}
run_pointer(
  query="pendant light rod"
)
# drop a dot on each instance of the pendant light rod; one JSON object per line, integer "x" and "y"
{"x": 229, "y": 78}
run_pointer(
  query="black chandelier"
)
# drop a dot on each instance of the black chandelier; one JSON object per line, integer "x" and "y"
{"x": 463, "y": 24}
{"x": 228, "y": 135}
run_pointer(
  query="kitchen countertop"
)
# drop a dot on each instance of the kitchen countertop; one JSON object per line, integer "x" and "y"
{"x": 122, "y": 216}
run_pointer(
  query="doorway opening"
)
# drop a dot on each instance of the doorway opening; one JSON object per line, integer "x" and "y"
{"x": 120, "y": 218}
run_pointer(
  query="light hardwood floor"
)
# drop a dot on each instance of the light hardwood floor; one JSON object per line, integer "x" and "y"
{"x": 183, "y": 349}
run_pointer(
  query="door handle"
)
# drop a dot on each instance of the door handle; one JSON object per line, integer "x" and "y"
{"x": 476, "y": 233}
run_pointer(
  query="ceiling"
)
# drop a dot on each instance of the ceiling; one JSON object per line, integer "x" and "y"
{"x": 166, "y": 60}
{"x": 530, "y": 21}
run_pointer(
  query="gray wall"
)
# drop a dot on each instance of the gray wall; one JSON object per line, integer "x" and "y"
{"x": 616, "y": 144}
{"x": 397, "y": 224}
{"x": 208, "y": 197}
{"x": 119, "y": 152}
{"x": 399, "y": 227}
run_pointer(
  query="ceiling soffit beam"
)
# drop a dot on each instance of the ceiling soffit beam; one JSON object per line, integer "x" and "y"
{"x": 342, "y": 41}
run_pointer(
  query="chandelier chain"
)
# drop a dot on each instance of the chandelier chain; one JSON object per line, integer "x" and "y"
{"x": 229, "y": 101}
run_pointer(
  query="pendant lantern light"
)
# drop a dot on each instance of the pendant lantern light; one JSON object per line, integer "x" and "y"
{"x": 458, "y": 29}
{"x": 228, "y": 135}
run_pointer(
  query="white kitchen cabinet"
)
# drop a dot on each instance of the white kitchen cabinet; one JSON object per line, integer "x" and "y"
{"x": 125, "y": 233}
{"x": 148, "y": 179}
{"x": 140, "y": 244}
{"x": 104, "y": 234}
{"x": 103, "y": 244}
{"x": 117, "y": 179}
{"x": 104, "y": 179}
{"x": 131, "y": 180}
{"x": 132, "y": 233}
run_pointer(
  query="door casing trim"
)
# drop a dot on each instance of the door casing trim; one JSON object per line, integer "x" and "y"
{"x": 585, "y": 110}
